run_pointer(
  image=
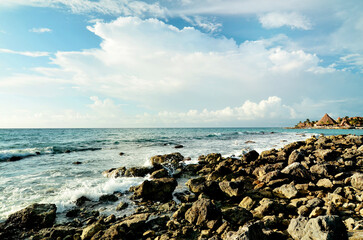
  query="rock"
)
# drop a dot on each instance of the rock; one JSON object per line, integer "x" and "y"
{"x": 316, "y": 212}
{"x": 250, "y": 156}
{"x": 267, "y": 207}
{"x": 319, "y": 228}
{"x": 325, "y": 183}
{"x": 35, "y": 216}
{"x": 179, "y": 146}
{"x": 296, "y": 171}
{"x": 231, "y": 189}
{"x": 357, "y": 181}
{"x": 82, "y": 200}
{"x": 77, "y": 163}
{"x": 135, "y": 221}
{"x": 202, "y": 211}
{"x": 108, "y": 198}
{"x": 319, "y": 169}
{"x": 161, "y": 173}
{"x": 247, "y": 203}
{"x": 326, "y": 154}
{"x": 296, "y": 156}
{"x": 167, "y": 158}
{"x": 91, "y": 230}
{"x": 156, "y": 190}
{"x": 236, "y": 215}
{"x": 286, "y": 191}
{"x": 250, "y": 231}
{"x": 122, "y": 206}
{"x": 121, "y": 154}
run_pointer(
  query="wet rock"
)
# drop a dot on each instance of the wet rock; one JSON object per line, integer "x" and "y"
{"x": 77, "y": 163}
{"x": 202, "y": 211}
{"x": 357, "y": 181}
{"x": 82, "y": 200}
{"x": 161, "y": 173}
{"x": 35, "y": 216}
{"x": 179, "y": 146}
{"x": 121, "y": 206}
{"x": 167, "y": 158}
{"x": 91, "y": 230}
{"x": 155, "y": 190}
{"x": 108, "y": 198}
{"x": 319, "y": 228}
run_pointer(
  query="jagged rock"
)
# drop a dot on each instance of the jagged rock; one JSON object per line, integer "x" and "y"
{"x": 251, "y": 156}
{"x": 128, "y": 172}
{"x": 295, "y": 156}
{"x": 232, "y": 189}
{"x": 156, "y": 190}
{"x": 35, "y": 216}
{"x": 91, "y": 230}
{"x": 319, "y": 228}
{"x": 236, "y": 215}
{"x": 326, "y": 154}
{"x": 108, "y": 198}
{"x": 161, "y": 173}
{"x": 122, "y": 206}
{"x": 250, "y": 231}
{"x": 286, "y": 191}
{"x": 357, "y": 181}
{"x": 167, "y": 158}
{"x": 82, "y": 200}
{"x": 267, "y": 207}
{"x": 319, "y": 169}
{"x": 202, "y": 211}
{"x": 325, "y": 183}
{"x": 296, "y": 171}
{"x": 247, "y": 203}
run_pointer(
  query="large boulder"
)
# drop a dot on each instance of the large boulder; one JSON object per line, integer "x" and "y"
{"x": 35, "y": 216}
{"x": 173, "y": 158}
{"x": 232, "y": 189}
{"x": 250, "y": 156}
{"x": 236, "y": 215}
{"x": 156, "y": 190}
{"x": 296, "y": 156}
{"x": 201, "y": 212}
{"x": 286, "y": 191}
{"x": 319, "y": 228}
{"x": 296, "y": 171}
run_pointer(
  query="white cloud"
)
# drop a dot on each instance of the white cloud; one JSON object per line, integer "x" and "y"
{"x": 209, "y": 25}
{"x": 292, "y": 20}
{"x": 40, "y": 30}
{"x": 25, "y": 53}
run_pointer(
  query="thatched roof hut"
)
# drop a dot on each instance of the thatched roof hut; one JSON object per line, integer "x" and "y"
{"x": 326, "y": 120}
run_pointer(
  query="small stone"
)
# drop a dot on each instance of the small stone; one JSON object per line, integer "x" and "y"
{"x": 77, "y": 163}
{"x": 325, "y": 182}
{"x": 316, "y": 212}
{"x": 179, "y": 146}
{"x": 247, "y": 203}
{"x": 286, "y": 191}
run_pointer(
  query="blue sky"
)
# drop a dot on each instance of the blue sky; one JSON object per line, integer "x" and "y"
{"x": 183, "y": 63}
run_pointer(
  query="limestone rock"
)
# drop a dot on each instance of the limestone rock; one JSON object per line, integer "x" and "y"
{"x": 202, "y": 211}
{"x": 296, "y": 156}
{"x": 251, "y": 231}
{"x": 357, "y": 181}
{"x": 247, "y": 203}
{"x": 237, "y": 215}
{"x": 231, "y": 189}
{"x": 156, "y": 190}
{"x": 325, "y": 183}
{"x": 35, "y": 216}
{"x": 286, "y": 191}
{"x": 167, "y": 158}
{"x": 319, "y": 228}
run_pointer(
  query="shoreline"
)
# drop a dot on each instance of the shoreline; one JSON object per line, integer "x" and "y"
{"x": 225, "y": 198}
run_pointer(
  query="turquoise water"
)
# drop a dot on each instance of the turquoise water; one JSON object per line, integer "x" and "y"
{"x": 43, "y": 170}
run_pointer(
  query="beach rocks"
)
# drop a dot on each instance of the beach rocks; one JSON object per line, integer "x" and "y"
{"x": 167, "y": 158}
{"x": 35, "y": 216}
{"x": 201, "y": 212}
{"x": 319, "y": 228}
{"x": 357, "y": 181}
{"x": 155, "y": 190}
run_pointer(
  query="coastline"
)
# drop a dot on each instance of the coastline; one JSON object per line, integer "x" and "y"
{"x": 317, "y": 181}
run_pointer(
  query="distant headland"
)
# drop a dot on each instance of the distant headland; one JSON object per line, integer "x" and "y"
{"x": 326, "y": 122}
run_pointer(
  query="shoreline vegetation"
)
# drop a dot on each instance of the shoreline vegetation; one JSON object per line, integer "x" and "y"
{"x": 310, "y": 189}
{"x": 326, "y": 122}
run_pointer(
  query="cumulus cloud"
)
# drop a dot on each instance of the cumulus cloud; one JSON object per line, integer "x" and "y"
{"x": 266, "y": 110}
{"x": 292, "y": 20}
{"x": 160, "y": 66}
{"x": 25, "y": 53}
{"x": 40, "y": 30}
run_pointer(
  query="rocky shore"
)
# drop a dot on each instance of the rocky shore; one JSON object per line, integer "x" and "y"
{"x": 311, "y": 189}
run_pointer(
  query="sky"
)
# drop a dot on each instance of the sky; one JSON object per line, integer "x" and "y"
{"x": 180, "y": 63}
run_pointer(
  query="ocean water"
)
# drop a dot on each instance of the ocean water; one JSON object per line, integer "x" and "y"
{"x": 44, "y": 172}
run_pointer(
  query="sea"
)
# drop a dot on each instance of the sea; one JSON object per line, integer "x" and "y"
{"x": 37, "y": 165}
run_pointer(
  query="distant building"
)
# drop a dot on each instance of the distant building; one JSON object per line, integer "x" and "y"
{"x": 325, "y": 121}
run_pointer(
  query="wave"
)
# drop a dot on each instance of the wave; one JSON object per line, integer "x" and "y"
{"x": 10, "y": 155}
